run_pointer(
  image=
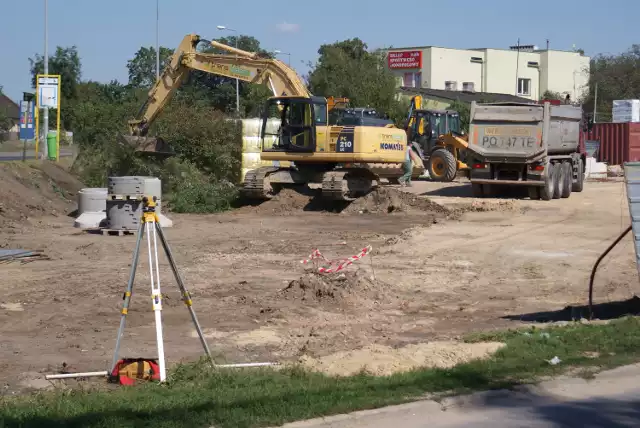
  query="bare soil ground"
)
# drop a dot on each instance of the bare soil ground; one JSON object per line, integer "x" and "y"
{"x": 443, "y": 264}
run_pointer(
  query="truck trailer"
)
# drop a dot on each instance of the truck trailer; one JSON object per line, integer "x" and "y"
{"x": 537, "y": 146}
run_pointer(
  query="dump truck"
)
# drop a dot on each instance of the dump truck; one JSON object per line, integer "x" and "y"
{"x": 537, "y": 146}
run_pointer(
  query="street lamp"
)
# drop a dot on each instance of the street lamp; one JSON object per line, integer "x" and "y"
{"x": 279, "y": 52}
{"x": 222, "y": 28}
{"x": 157, "y": 40}
{"x": 45, "y": 126}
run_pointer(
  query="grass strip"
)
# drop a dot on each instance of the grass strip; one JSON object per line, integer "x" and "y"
{"x": 198, "y": 396}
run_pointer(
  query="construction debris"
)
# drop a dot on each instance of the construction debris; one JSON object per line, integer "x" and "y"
{"x": 25, "y": 256}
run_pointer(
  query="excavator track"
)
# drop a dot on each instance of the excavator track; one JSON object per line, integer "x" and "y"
{"x": 254, "y": 183}
{"x": 336, "y": 186}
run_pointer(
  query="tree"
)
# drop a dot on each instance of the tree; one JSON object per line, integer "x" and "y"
{"x": 617, "y": 78}
{"x": 66, "y": 63}
{"x": 348, "y": 69}
{"x": 552, "y": 95}
{"x": 142, "y": 68}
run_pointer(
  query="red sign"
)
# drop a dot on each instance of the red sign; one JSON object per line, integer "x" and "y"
{"x": 405, "y": 59}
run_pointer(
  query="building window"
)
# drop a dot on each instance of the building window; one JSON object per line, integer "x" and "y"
{"x": 451, "y": 85}
{"x": 417, "y": 80}
{"x": 524, "y": 86}
{"x": 412, "y": 80}
{"x": 408, "y": 80}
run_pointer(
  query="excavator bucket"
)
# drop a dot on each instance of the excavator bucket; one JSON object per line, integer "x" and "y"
{"x": 147, "y": 144}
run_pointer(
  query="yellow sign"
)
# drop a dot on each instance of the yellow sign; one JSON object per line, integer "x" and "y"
{"x": 511, "y": 131}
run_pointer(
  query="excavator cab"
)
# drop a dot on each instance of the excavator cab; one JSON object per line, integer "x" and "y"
{"x": 299, "y": 117}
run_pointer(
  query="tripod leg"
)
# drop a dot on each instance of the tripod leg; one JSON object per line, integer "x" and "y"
{"x": 157, "y": 297}
{"x": 127, "y": 296}
{"x": 186, "y": 297}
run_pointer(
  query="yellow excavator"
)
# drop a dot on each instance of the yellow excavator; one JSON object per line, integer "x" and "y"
{"x": 337, "y": 157}
{"x": 435, "y": 136}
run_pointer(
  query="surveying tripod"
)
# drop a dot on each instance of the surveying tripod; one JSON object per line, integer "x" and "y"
{"x": 150, "y": 224}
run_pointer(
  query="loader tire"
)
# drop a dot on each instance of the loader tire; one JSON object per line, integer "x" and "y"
{"x": 442, "y": 165}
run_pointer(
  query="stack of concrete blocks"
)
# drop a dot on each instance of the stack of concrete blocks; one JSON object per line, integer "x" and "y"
{"x": 124, "y": 201}
{"x": 252, "y": 144}
{"x": 625, "y": 111}
{"x": 92, "y": 207}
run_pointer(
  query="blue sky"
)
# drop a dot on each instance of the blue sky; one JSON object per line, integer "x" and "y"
{"x": 108, "y": 33}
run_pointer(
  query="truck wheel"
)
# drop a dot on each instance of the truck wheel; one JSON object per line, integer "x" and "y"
{"x": 579, "y": 183}
{"x": 567, "y": 184}
{"x": 534, "y": 193}
{"x": 442, "y": 165}
{"x": 546, "y": 192}
{"x": 558, "y": 180}
{"x": 477, "y": 189}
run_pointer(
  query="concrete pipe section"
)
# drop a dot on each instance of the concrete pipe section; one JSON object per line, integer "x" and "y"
{"x": 123, "y": 207}
{"x": 92, "y": 207}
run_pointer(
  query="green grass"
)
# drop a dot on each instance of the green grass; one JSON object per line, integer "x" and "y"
{"x": 197, "y": 396}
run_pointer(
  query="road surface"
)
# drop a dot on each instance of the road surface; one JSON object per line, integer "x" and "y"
{"x": 15, "y": 156}
{"x": 610, "y": 400}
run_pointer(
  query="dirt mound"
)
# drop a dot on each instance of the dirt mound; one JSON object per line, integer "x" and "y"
{"x": 35, "y": 189}
{"x": 383, "y": 200}
{"x": 390, "y": 200}
{"x": 285, "y": 202}
{"x": 383, "y": 360}
{"x": 349, "y": 286}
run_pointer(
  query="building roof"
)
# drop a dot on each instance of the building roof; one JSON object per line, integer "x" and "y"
{"x": 467, "y": 97}
{"x": 13, "y": 110}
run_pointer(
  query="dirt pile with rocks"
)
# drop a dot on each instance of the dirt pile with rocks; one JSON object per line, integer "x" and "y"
{"x": 386, "y": 200}
{"x": 350, "y": 287}
{"x": 383, "y": 200}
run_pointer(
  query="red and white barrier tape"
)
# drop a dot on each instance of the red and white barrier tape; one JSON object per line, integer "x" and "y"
{"x": 340, "y": 264}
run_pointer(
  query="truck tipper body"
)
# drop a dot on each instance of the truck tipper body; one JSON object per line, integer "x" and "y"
{"x": 521, "y": 144}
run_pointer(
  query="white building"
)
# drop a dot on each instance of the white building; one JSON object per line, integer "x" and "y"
{"x": 524, "y": 71}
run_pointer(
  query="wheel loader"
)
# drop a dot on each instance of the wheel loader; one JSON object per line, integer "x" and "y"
{"x": 343, "y": 159}
{"x": 436, "y": 138}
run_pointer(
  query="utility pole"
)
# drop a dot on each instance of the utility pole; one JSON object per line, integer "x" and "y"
{"x": 595, "y": 103}
{"x": 157, "y": 40}
{"x": 517, "y": 65}
{"x": 45, "y": 127}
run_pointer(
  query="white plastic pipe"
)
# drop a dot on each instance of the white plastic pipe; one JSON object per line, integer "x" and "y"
{"x": 246, "y": 365}
{"x": 72, "y": 375}
{"x": 105, "y": 373}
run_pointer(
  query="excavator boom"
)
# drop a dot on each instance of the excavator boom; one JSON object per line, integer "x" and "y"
{"x": 237, "y": 63}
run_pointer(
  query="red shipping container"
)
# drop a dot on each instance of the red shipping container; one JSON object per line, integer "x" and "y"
{"x": 619, "y": 142}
